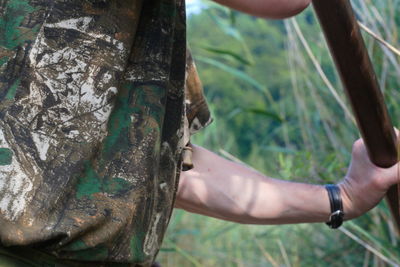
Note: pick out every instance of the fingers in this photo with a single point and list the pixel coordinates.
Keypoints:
(392, 176)
(359, 148)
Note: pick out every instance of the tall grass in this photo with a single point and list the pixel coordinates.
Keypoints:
(311, 144)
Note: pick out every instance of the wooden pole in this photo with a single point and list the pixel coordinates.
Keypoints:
(358, 77)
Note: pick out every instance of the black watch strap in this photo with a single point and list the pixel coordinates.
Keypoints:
(337, 214)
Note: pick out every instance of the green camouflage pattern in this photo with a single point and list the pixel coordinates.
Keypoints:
(92, 126)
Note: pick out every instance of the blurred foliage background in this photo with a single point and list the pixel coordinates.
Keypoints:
(278, 106)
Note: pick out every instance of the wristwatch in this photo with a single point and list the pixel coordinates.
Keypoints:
(337, 213)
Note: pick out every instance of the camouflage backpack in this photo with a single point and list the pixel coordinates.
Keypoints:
(93, 125)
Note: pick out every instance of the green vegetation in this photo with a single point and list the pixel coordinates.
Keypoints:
(274, 109)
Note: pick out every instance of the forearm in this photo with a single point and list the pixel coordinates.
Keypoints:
(222, 189)
(276, 9)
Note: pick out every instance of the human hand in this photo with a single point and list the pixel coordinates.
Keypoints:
(365, 184)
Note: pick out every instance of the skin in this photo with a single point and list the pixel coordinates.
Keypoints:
(230, 191)
(273, 9)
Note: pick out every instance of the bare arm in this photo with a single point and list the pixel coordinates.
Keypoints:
(222, 189)
(276, 9)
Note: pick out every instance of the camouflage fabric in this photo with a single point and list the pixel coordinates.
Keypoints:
(92, 127)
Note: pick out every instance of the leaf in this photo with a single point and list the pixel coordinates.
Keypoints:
(265, 113)
(183, 253)
(232, 54)
(226, 27)
(379, 245)
(278, 149)
(232, 17)
(219, 231)
(187, 232)
(167, 250)
(235, 72)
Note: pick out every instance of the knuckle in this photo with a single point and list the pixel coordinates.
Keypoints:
(358, 146)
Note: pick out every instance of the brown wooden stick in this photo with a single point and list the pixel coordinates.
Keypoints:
(358, 77)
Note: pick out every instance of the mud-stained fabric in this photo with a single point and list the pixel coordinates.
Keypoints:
(92, 110)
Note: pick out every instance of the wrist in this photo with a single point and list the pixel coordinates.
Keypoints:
(336, 206)
(348, 208)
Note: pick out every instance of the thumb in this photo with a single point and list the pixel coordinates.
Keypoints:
(390, 176)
